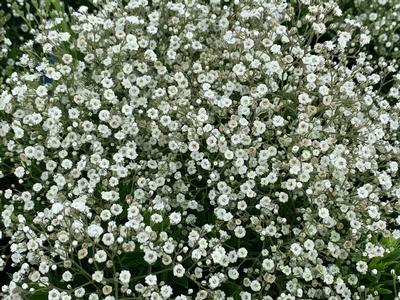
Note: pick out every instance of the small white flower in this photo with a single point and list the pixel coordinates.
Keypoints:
(239, 69)
(150, 256)
(67, 276)
(268, 264)
(98, 276)
(323, 213)
(19, 172)
(125, 277)
(108, 239)
(166, 291)
(179, 270)
(362, 267)
(304, 99)
(41, 91)
(255, 286)
(175, 218)
(296, 249)
(151, 280)
(278, 121)
(54, 295)
(100, 256)
(94, 230)
(80, 292)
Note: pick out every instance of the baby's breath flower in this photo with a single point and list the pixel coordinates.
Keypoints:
(125, 277)
(189, 149)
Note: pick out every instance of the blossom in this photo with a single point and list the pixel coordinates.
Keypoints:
(225, 143)
(125, 276)
(179, 270)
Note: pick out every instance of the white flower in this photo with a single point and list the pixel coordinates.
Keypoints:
(94, 230)
(125, 277)
(67, 276)
(233, 274)
(362, 267)
(150, 256)
(240, 232)
(67, 58)
(223, 200)
(184, 131)
(53, 295)
(344, 38)
(273, 67)
(278, 121)
(98, 276)
(307, 275)
(242, 252)
(79, 204)
(179, 270)
(19, 172)
(364, 39)
(108, 239)
(255, 286)
(245, 295)
(296, 249)
(41, 91)
(239, 69)
(340, 163)
(323, 213)
(363, 192)
(214, 281)
(100, 256)
(166, 291)
(175, 218)
(151, 279)
(373, 212)
(304, 98)
(57, 208)
(268, 264)
(80, 292)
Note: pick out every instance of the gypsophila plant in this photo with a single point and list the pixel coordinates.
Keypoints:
(19, 21)
(381, 19)
(194, 150)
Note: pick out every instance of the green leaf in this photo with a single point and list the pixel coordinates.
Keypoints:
(390, 242)
(397, 269)
(382, 263)
(392, 256)
(57, 5)
(373, 278)
(35, 4)
(383, 291)
(381, 266)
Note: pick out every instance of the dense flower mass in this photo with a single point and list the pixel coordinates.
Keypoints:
(192, 150)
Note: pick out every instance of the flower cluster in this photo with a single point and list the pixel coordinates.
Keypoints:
(196, 150)
(381, 20)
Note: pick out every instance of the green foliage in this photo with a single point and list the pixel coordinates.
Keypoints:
(387, 267)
